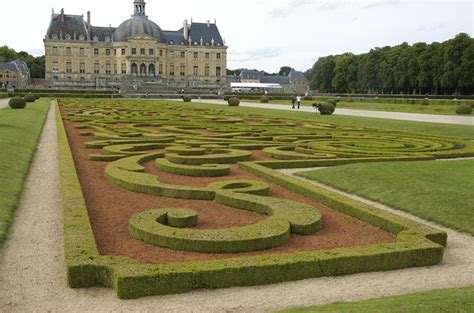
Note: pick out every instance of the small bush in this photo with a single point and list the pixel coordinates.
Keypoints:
(17, 103)
(425, 101)
(326, 108)
(187, 99)
(37, 97)
(234, 102)
(464, 109)
(264, 99)
(30, 97)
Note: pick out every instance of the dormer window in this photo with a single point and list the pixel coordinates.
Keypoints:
(95, 38)
(81, 37)
(171, 42)
(54, 36)
(219, 44)
(195, 43)
(67, 37)
(107, 39)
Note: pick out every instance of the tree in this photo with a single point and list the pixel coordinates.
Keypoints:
(285, 71)
(35, 64)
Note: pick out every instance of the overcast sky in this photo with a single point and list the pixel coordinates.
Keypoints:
(263, 34)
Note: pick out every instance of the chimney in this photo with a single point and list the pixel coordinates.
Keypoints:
(62, 15)
(185, 29)
(208, 23)
(89, 18)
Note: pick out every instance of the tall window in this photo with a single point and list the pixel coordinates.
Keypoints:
(96, 68)
(96, 51)
(218, 71)
(171, 54)
(134, 51)
(124, 68)
(182, 70)
(142, 51)
(115, 68)
(151, 52)
(218, 56)
(195, 70)
(107, 51)
(196, 55)
(183, 55)
(207, 55)
(55, 51)
(160, 69)
(81, 51)
(68, 67)
(207, 71)
(108, 68)
(55, 67)
(172, 70)
(161, 53)
(68, 50)
(82, 68)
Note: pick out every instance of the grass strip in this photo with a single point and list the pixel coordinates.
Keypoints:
(20, 131)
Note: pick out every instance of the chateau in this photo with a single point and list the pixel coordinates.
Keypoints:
(81, 55)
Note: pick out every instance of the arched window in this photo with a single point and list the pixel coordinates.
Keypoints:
(151, 70)
(81, 37)
(107, 39)
(67, 37)
(54, 36)
(134, 69)
(95, 38)
(171, 42)
(142, 69)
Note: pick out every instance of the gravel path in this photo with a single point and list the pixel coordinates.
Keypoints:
(432, 118)
(3, 103)
(32, 270)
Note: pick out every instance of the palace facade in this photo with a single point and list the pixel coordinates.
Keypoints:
(81, 55)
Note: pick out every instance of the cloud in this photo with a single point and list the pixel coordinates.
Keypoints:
(379, 4)
(254, 55)
(289, 8)
(36, 51)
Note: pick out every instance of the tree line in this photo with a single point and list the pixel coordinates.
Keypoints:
(437, 68)
(35, 64)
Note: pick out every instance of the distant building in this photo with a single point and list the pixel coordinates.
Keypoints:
(14, 74)
(295, 82)
(79, 54)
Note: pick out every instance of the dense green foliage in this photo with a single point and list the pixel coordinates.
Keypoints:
(35, 64)
(17, 103)
(437, 68)
(326, 108)
(464, 109)
(264, 99)
(30, 97)
(187, 99)
(233, 102)
(19, 134)
(432, 190)
(446, 300)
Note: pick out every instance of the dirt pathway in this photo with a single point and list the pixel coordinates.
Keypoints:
(4, 103)
(32, 270)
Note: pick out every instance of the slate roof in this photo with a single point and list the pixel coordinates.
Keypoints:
(102, 32)
(15, 66)
(295, 75)
(177, 37)
(72, 24)
(282, 80)
(250, 74)
(206, 31)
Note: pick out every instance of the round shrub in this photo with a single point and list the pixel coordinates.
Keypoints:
(234, 102)
(326, 108)
(425, 101)
(464, 109)
(37, 97)
(187, 99)
(333, 102)
(264, 99)
(30, 97)
(17, 103)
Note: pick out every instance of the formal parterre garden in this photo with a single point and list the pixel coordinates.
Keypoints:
(165, 197)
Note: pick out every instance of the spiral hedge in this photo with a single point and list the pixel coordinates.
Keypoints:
(193, 141)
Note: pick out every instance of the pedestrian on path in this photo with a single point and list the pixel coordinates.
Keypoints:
(298, 100)
(293, 102)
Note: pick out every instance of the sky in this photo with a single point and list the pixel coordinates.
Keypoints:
(263, 34)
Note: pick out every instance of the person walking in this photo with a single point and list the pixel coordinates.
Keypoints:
(298, 101)
(293, 102)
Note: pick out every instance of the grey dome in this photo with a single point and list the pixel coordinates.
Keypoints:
(137, 25)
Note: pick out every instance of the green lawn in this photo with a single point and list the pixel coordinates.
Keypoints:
(438, 301)
(391, 107)
(460, 131)
(439, 191)
(19, 134)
